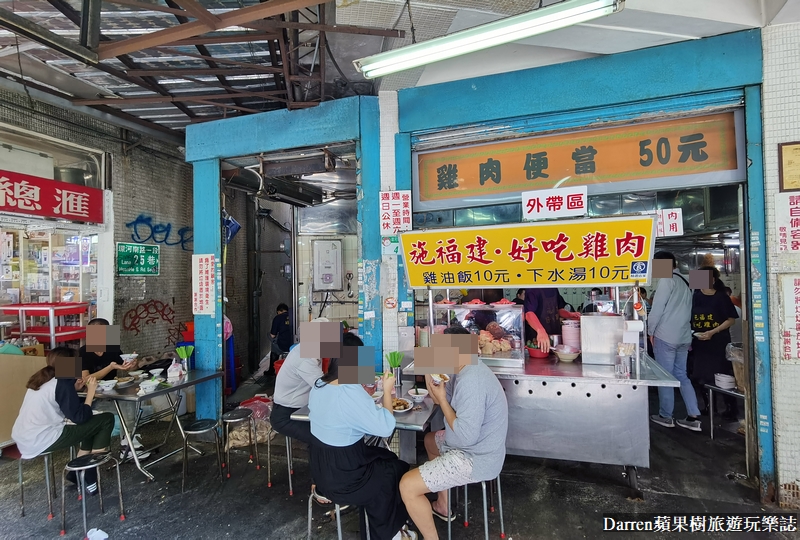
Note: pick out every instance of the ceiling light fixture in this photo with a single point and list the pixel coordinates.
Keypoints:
(485, 36)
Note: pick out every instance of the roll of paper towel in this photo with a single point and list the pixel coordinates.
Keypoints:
(634, 326)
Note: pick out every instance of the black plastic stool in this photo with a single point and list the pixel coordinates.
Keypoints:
(80, 466)
(200, 427)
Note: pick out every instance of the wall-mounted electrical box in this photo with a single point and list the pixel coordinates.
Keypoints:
(327, 265)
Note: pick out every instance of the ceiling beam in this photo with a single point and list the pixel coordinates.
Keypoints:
(221, 40)
(149, 7)
(226, 106)
(116, 102)
(90, 24)
(147, 83)
(208, 57)
(184, 31)
(272, 24)
(39, 34)
(193, 9)
(202, 72)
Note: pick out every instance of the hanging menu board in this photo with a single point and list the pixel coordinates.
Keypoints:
(138, 259)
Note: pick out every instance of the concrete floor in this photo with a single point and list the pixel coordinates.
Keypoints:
(542, 498)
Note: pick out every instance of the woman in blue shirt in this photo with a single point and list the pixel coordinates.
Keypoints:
(343, 467)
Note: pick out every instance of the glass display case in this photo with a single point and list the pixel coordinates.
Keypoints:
(38, 267)
(499, 328)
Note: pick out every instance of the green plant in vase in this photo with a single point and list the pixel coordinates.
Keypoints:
(395, 360)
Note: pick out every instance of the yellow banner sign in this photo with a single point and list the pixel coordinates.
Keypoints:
(580, 253)
(653, 150)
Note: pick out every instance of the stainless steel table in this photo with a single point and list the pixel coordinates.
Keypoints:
(166, 389)
(408, 424)
(714, 388)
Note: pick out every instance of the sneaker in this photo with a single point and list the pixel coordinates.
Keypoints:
(137, 441)
(661, 421)
(125, 454)
(90, 477)
(692, 425)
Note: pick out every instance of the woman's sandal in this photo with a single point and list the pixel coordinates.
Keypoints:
(443, 517)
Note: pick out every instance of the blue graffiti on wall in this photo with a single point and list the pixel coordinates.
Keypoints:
(144, 231)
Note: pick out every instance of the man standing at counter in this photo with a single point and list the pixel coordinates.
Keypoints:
(670, 331)
(543, 311)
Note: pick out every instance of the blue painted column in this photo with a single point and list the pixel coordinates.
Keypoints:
(402, 165)
(368, 150)
(759, 297)
(208, 241)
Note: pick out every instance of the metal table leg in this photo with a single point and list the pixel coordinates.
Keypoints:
(408, 446)
(129, 436)
(711, 411)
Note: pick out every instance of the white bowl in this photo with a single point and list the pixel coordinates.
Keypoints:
(378, 395)
(567, 357)
(148, 386)
(136, 373)
(418, 395)
(106, 385)
(439, 377)
(156, 372)
(129, 357)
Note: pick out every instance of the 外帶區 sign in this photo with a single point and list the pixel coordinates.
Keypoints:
(580, 253)
(204, 285)
(36, 196)
(555, 203)
(395, 211)
(138, 259)
(677, 147)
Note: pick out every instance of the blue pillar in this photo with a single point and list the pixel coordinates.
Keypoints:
(402, 159)
(757, 247)
(207, 241)
(368, 151)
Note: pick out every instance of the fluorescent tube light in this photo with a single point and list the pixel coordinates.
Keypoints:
(488, 35)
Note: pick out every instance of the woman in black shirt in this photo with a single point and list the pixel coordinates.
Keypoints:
(713, 314)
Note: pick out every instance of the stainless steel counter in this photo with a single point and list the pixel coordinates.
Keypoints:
(651, 374)
(579, 412)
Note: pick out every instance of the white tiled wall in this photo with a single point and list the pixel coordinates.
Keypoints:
(335, 310)
(781, 117)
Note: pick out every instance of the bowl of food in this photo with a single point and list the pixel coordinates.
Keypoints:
(377, 396)
(148, 386)
(534, 351)
(129, 357)
(564, 356)
(156, 372)
(401, 405)
(136, 373)
(122, 382)
(105, 386)
(439, 378)
(417, 395)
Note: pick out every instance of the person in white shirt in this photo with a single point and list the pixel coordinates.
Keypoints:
(41, 425)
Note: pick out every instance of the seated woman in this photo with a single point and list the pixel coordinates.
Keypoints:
(344, 468)
(49, 402)
(292, 386)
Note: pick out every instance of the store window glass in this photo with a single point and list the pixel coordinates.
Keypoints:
(37, 155)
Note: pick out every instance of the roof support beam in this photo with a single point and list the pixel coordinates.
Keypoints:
(34, 32)
(202, 72)
(221, 40)
(90, 24)
(184, 31)
(173, 99)
(272, 24)
(193, 9)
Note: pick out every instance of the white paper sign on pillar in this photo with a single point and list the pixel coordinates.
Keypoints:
(555, 203)
(670, 222)
(787, 215)
(395, 211)
(204, 293)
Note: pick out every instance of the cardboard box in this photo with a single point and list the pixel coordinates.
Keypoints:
(16, 370)
(35, 350)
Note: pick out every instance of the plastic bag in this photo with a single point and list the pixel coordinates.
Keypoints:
(261, 406)
(262, 409)
(734, 352)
